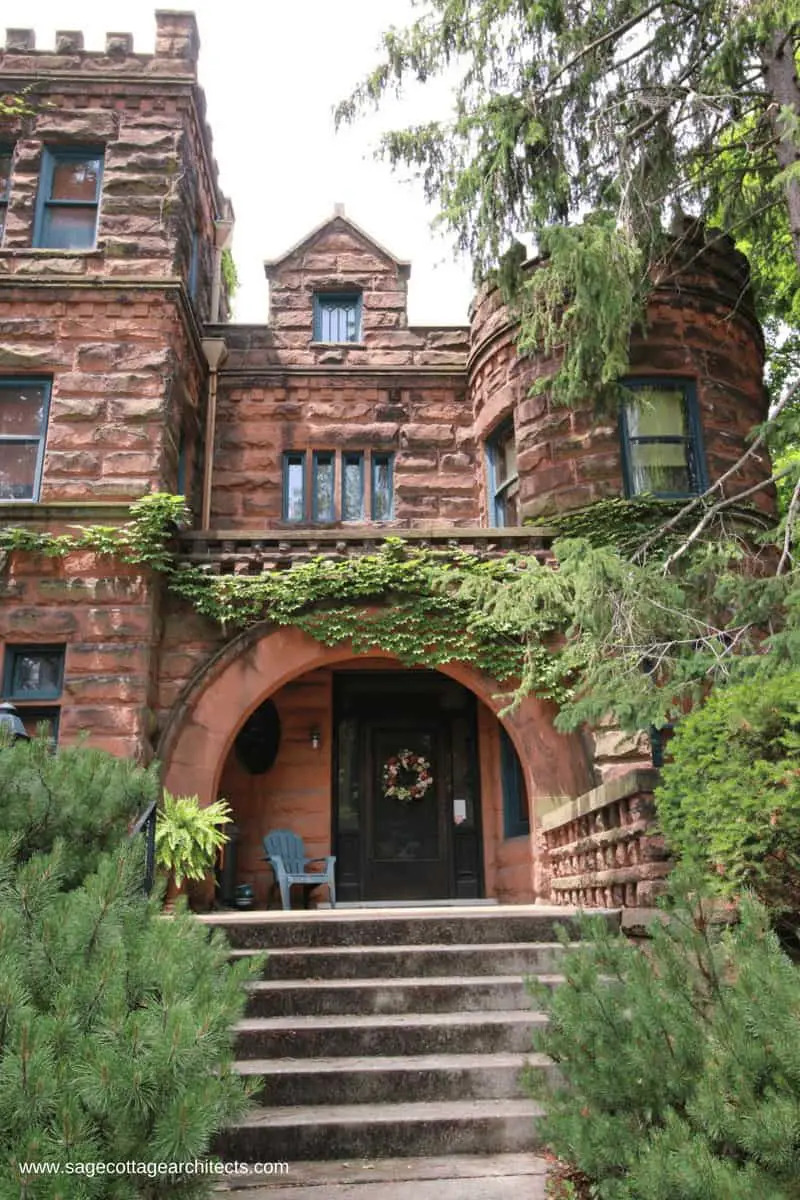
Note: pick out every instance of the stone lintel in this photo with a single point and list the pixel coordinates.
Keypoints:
(641, 779)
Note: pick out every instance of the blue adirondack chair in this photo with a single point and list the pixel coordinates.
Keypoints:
(285, 853)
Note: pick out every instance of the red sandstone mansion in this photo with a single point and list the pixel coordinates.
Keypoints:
(323, 430)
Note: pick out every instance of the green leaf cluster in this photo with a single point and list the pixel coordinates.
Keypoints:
(115, 1024)
(729, 799)
(188, 835)
(677, 1069)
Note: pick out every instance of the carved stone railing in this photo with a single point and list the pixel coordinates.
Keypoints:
(232, 552)
(603, 849)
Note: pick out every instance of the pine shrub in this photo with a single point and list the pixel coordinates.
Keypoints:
(729, 799)
(115, 1023)
(678, 1067)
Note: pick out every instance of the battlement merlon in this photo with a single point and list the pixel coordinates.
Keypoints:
(176, 52)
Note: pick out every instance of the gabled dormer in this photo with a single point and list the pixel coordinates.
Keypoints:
(337, 287)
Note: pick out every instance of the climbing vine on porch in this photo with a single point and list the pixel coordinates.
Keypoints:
(409, 603)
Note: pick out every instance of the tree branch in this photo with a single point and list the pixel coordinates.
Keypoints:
(657, 534)
(715, 508)
(791, 517)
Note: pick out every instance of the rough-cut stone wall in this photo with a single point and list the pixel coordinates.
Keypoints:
(701, 327)
(602, 849)
(422, 420)
(107, 621)
(114, 357)
(148, 116)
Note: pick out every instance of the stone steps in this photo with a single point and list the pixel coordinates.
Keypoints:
(391, 1035)
(450, 1177)
(383, 1078)
(401, 1033)
(396, 927)
(375, 1130)
(333, 997)
(403, 961)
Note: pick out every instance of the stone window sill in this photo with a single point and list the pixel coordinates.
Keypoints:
(44, 252)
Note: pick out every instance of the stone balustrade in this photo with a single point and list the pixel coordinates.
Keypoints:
(233, 552)
(603, 850)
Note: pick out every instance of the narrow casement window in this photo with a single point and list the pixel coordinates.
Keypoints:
(294, 486)
(353, 486)
(69, 198)
(5, 187)
(337, 317)
(516, 820)
(661, 439)
(501, 452)
(32, 674)
(194, 264)
(323, 498)
(382, 487)
(24, 405)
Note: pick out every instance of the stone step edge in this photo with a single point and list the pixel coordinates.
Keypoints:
(425, 1168)
(502, 1060)
(425, 1111)
(398, 984)
(516, 1016)
(402, 948)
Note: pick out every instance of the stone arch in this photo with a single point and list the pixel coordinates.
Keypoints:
(254, 666)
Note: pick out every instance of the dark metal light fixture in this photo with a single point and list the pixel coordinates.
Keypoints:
(316, 738)
(11, 720)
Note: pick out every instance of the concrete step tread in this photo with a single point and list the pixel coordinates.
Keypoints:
(385, 1170)
(466, 912)
(451, 1177)
(388, 1114)
(388, 1063)
(516, 1016)
(407, 981)
(312, 952)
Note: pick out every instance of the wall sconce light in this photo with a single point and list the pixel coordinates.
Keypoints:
(316, 738)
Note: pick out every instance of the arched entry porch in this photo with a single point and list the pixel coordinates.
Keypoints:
(196, 748)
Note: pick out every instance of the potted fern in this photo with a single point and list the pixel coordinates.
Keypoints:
(188, 836)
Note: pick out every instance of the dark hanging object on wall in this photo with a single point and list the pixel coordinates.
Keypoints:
(258, 740)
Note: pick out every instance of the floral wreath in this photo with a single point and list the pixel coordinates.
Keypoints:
(406, 776)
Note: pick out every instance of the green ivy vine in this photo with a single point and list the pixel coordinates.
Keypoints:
(409, 603)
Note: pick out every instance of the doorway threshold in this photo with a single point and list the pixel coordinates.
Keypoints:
(346, 904)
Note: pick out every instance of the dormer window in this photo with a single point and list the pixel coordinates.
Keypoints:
(337, 317)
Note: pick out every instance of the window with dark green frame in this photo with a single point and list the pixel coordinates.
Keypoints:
(503, 478)
(24, 406)
(294, 486)
(662, 445)
(337, 317)
(352, 486)
(382, 487)
(335, 488)
(323, 486)
(516, 818)
(6, 156)
(68, 201)
(33, 675)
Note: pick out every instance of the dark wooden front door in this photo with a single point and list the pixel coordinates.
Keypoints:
(389, 848)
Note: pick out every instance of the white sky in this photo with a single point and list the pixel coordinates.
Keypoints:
(272, 71)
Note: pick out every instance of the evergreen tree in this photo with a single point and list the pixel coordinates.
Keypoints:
(115, 1024)
(678, 1068)
(585, 126)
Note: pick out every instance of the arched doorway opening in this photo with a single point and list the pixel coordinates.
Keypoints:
(329, 789)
